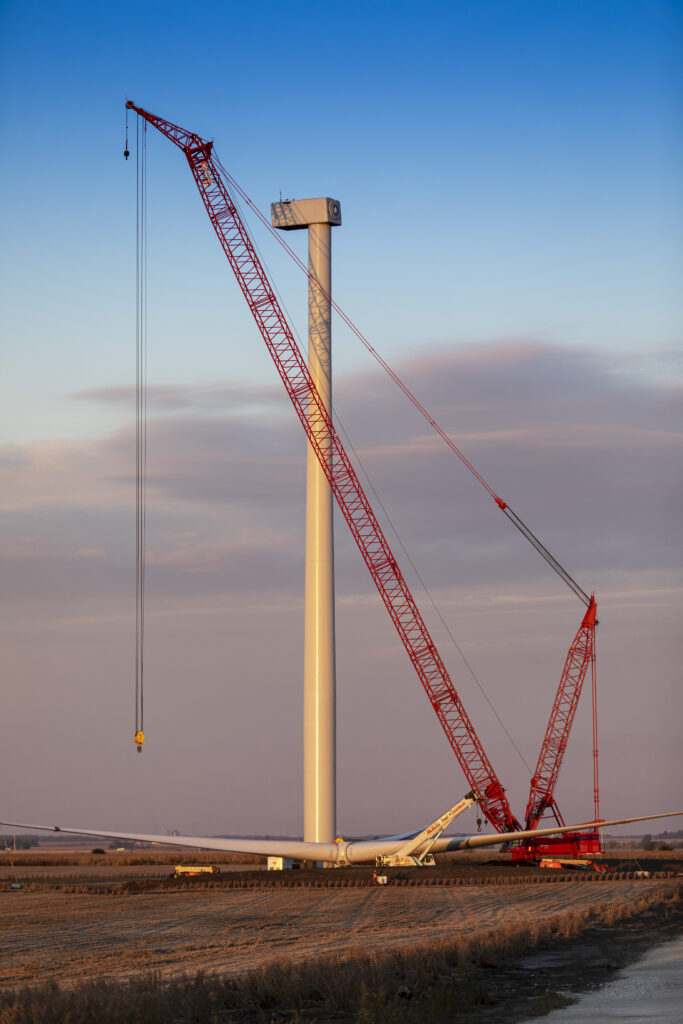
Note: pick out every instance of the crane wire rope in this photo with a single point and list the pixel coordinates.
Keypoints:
(510, 514)
(433, 603)
(140, 425)
(349, 443)
(594, 697)
(141, 440)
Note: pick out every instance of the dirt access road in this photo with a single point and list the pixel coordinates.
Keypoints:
(71, 937)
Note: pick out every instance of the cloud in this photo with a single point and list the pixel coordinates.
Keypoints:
(588, 454)
(588, 457)
(188, 398)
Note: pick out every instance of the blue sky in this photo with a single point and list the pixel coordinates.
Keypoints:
(504, 170)
(509, 175)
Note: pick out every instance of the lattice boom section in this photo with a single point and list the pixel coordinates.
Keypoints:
(342, 478)
(561, 718)
(352, 501)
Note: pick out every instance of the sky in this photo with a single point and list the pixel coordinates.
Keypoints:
(509, 177)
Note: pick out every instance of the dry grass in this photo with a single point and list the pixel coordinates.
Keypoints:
(72, 936)
(355, 987)
(635, 853)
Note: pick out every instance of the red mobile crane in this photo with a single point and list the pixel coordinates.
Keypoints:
(374, 548)
(342, 478)
(581, 654)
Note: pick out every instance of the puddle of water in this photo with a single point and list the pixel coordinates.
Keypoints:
(650, 991)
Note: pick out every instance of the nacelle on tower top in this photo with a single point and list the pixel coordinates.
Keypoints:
(292, 214)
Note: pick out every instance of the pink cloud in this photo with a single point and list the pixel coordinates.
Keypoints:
(588, 456)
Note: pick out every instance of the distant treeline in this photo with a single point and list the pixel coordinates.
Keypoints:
(17, 842)
(27, 841)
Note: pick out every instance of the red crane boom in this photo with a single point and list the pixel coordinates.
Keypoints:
(579, 657)
(580, 654)
(342, 478)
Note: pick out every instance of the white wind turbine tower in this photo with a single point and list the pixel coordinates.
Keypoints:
(320, 783)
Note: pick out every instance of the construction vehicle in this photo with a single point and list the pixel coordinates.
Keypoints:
(212, 180)
(193, 870)
(415, 853)
(557, 863)
(542, 791)
(341, 476)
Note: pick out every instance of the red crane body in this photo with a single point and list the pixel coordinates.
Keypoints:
(373, 546)
(342, 478)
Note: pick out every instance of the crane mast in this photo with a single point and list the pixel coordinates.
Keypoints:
(346, 487)
(580, 655)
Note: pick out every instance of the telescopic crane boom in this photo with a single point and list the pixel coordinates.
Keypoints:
(342, 478)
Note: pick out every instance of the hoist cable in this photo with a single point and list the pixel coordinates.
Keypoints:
(433, 603)
(512, 516)
(378, 502)
(140, 425)
(545, 554)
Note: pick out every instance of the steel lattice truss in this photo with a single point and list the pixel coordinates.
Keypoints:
(554, 744)
(342, 478)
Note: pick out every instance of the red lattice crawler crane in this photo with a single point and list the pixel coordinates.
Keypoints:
(211, 180)
(575, 845)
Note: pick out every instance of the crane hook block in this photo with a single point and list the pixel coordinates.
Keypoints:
(139, 739)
